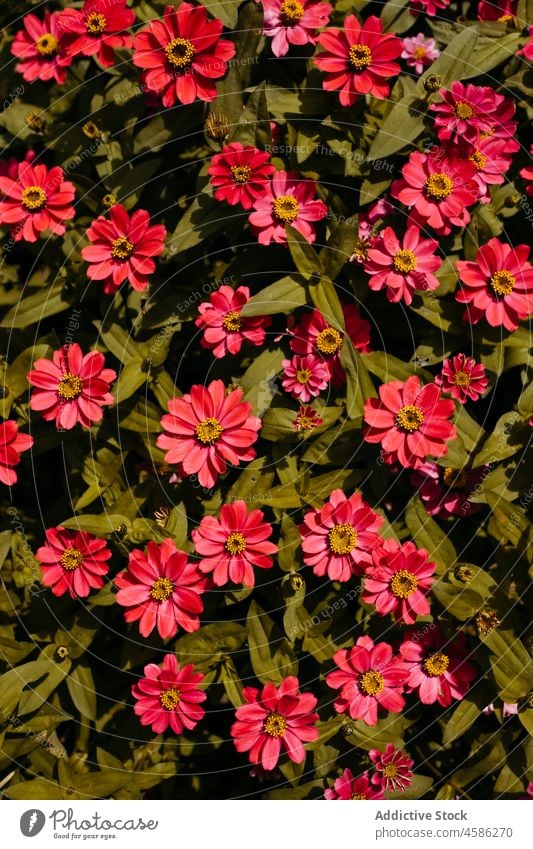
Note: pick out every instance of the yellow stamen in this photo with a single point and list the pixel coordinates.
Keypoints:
(390, 771)
(342, 539)
(232, 321)
(404, 261)
(290, 13)
(33, 199)
(208, 430)
(71, 559)
(436, 664)
(479, 159)
(70, 386)
(464, 110)
(235, 543)
(502, 283)
(461, 378)
(180, 52)
(47, 44)
(403, 584)
(439, 186)
(358, 796)
(95, 23)
(161, 589)
(170, 698)
(419, 52)
(454, 478)
(275, 725)
(409, 418)
(122, 249)
(303, 376)
(360, 57)
(241, 173)
(329, 341)
(371, 683)
(285, 209)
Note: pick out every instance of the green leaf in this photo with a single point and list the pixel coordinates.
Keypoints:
(81, 687)
(511, 664)
(507, 438)
(34, 308)
(359, 386)
(99, 524)
(272, 659)
(456, 62)
(401, 127)
(428, 535)
(284, 295)
(386, 368)
(304, 255)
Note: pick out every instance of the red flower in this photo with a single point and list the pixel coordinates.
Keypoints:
(338, 539)
(527, 174)
(402, 267)
(289, 199)
(463, 378)
(496, 10)
(207, 429)
(240, 174)
(307, 419)
(72, 387)
(313, 335)
(183, 53)
(446, 491)
(350, 787)
(73, 562)
(225, 329)
(9, 167)
(437, 667)
(498, 285)
(429, 7)
(305, 377)
(468, 110)
(491, 159)
(97, 29)
(399, 580)
(169, 696)
(232, 545)
(161, 589)
(527, 49)
(410, 421)
(12, 444)
(37, 200)
(39, 48)
(393, 769)
(122, 249)
(368, 678)
(358, 59)
(275, 719)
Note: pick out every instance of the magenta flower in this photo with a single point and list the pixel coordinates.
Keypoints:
(240, 174)
(437, 667)
(73, 562)
(289, 199)
(305, 377)
(314, 335)
(97, 29)
(393, 769)
(468, 110)
(463, 378)
(445, 491)
(419, 52)
(349, 786)
(307, 419)
(402, 268)
(428, 7)
(289, 22)
(39, 49)
(399, 580)
(38, 199)
(12, 445)
(225, 329)
(169, 696)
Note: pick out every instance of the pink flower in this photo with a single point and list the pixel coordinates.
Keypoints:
(289, 22)
(207, 429)
(368, 677)
(496, 10)
(232, 545)
(37, 199)
(307, 419)
(9, 167)
(224, 328)
(314, 335)
(498, 286)
(428, 7)
(437, 188)
(273, 720)
(437, 667)
(73, 562)
(97, 29)
(445, 491)
(39, 49)
(338, 539)
(463, 378)
(402, 267)
(419, 52)
(12, 445)
(72, 387)
(350, 787)
(491, 159)
(161, 589)
(468, 110)
(358, 59)
(169, 696)
(507, 710)
(527, 174)
(410, 421)
(399, 580)
(393, 769)
(183, 54)
(527, 49)
(289, 199)
(122, 249)
(305, 377)
(240, 174)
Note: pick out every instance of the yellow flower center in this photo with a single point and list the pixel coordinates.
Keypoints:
(502, 283)
(290, 13)
(275, 725)
(161, 589)
(464, 110)
(232, 321)
(479, 159)
(303, 376)
(439, 186)
(461, 378)
(404, 261)
(361, 247)
(208, 431)
(70, 386)
(360, 57)
(241, 173)
(285, 208)
(179, 52)
(33, 199)
(504, 18)
(436, 664)
(403, 584)
(371, 683)
(342, 539)
(47, 44)
(306, 423)
(329, 341)
(71, 559)
(358, 796)
(235, 543)
(95, 23)
(409, 418)
(91, 131)
(390, 771)
(170, 698)
(122, 249)
(454, 478)
(419, 52)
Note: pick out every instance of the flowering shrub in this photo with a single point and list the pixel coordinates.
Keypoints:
(266, 288)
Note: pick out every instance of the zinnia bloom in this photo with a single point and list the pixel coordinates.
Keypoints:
(72, 387)
(37, 199)
(314, 335)
(12, 444)
(492, 161)
(463, 378)
(419, 52)
(468, 110)
(207, 429)
(97, 29)
(393, 768)
(240, 174)
(368, 677)
(527, 174)
(289, 199)
(437, 667)
(445, 491)
(358, 59)
(289, 22)
(399, 580)
(39, 49)
(225, 329)
(498, 285)
(338, 538)
(161, 589)
(428, 7)
(122, 249)
(73, 562)
(307, 419)
(183, 54)
(169, 695)
(9, 167)
(275, 720)
(496, 10)
(232, 545)
(351, 787)
(410, 421)
(402, 267)
(305, 377)
(527, 49)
